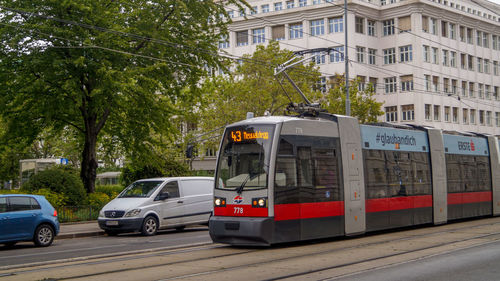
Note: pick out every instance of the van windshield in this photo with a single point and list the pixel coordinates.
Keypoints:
(140, 189)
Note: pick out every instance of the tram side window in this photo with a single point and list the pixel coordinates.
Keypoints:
(483, 172)
(286, 169)
(454, 174)
(469, 171)
(305, 174)
(396, 173)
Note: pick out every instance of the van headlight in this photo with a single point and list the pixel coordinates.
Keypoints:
(133, 213)
(101, 213)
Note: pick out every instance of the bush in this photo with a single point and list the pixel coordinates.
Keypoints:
(168, 168)
(111, 190)
(10, 191)
(60, 180)
(57, 200)
(97, 200)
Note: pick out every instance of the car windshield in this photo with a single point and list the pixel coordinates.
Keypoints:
(140, 189)
(244, 157)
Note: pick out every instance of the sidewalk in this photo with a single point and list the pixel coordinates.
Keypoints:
(80, 229)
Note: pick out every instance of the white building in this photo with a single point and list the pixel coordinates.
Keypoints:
(434, 63)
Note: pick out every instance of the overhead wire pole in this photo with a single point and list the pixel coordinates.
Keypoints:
(346, 60)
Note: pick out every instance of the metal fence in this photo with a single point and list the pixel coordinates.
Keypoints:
(77, 213)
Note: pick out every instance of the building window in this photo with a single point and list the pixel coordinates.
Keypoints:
(258, 36)
(408, 112)
(428, 112)
(317, 27)
(486, 66)
(426, 53)
(427, 83)
(464, 88)
(495, 42)
(390, 85)
(289, 4)
(278, 6)
(337, 54)
(462, 34)
(242, 38)
(446, 114)
(465, 116)
(296, 31)
(223, 42)
(486, 41)
(454, 86)
(318, 57)
(253, 10)
(371, 28)
(434, 26)
(435, 83)
(469, 35)
(360, 54)
(497, 119)
(425, 24)
(265, 8)
(278, 32)
(359, 25)
(336, 25)
(372, 54)
(406, 83)
(470, 62)
(316, 2)
(487, 89)
(453, 59)
(488, 118)
(471, 89)
(302, 3)
(472, 118)
(480, 90)
(391, 113)
(389, 56)
(445, 57)
(404, 24)
(480, 65)
(452, 31)
(405, 53)
(435, 55)
(479, 38)
(444, 28)
(481, 117)
(437, 111)
(495, 68)
(496, 93)
(230, 14)
(388, 27)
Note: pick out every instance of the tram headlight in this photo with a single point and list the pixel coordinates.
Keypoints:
(219, 202)
(259, 202)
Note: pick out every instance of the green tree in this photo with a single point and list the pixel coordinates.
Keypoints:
(363, 104)
(254, 88)
(103, 67)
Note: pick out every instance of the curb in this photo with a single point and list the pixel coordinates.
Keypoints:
(79, 235)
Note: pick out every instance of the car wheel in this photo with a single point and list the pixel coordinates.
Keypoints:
(149, 226)
(10, 244)
(111, 232)
(44, 235)
(180, 228)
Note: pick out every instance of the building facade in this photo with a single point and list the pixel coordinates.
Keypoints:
(432, 62)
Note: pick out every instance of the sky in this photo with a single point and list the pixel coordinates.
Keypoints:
(495, 1)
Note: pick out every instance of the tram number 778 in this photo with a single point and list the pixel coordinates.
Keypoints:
(238, 210)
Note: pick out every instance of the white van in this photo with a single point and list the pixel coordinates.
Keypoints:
(151, 204)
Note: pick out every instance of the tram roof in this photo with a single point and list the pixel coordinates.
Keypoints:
(266, 120)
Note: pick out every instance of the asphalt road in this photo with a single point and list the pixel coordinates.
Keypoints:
(78, 248)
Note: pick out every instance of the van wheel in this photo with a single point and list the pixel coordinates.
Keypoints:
(180, 228)
(44, 235)
(149, 226)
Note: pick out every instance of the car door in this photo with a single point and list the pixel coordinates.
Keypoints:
(22, 218)
(172, 208)
(5, 230)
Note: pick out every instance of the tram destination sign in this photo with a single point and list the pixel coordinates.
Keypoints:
(242, 135)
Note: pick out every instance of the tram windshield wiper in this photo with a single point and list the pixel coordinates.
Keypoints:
(239, 190)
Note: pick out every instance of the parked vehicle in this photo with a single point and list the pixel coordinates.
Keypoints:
(27, 218)
(152, 204)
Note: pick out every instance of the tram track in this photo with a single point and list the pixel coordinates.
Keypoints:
(241, 253)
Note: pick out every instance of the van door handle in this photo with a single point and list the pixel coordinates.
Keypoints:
(180, 201)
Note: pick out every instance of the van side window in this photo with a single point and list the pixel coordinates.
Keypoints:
(3, 205)
(172, 188)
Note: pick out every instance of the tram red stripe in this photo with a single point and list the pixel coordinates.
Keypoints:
(469, 197)
(398, 203)
(308, 210)
(240, 211)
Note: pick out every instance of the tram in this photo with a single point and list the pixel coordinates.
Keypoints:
(290, 178)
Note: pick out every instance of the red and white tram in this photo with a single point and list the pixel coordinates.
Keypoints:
(282, 179)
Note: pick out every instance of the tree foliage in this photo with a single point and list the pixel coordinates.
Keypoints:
(103, 68)
(363, 104)
(252, 87)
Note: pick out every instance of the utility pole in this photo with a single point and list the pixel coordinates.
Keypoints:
(346, 60)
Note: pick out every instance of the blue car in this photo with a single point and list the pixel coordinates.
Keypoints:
(27, 218)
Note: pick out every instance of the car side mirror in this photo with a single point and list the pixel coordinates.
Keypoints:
(163, 196)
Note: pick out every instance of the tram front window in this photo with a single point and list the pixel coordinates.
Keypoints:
(244, 157)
